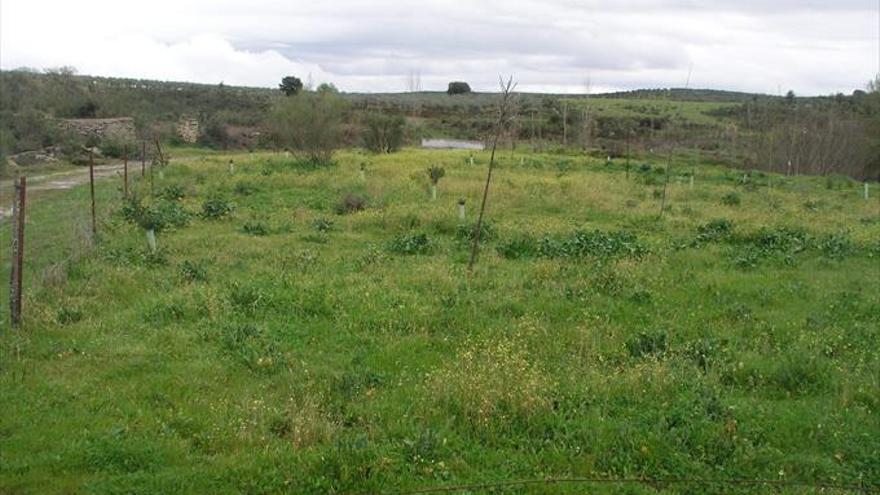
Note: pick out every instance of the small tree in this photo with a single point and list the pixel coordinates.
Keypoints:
(310, 124)
(290, 85)
(458, 88)
(435, 173)
(384, 133)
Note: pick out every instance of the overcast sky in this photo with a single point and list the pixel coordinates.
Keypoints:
(770, 46)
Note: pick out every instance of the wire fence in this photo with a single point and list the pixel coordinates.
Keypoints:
(60, 225)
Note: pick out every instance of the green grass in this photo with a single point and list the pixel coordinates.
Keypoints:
(288, 348)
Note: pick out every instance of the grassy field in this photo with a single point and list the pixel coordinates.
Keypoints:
(291, 346)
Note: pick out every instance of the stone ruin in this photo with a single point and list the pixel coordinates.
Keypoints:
(188, 129)
(121, 128)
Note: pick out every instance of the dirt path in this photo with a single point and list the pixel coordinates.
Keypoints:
(59, 181)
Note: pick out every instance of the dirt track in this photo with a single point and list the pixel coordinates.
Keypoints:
(58, 181)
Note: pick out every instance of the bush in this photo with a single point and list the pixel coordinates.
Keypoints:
(410, 243)
(215, 208)
(159, 216)
(714, 231)
(214, 133)
(173, 192)
(351, 203)
(117, 148)
(384, 133)
(310, 123)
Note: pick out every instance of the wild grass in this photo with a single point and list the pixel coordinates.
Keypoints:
(273, 345)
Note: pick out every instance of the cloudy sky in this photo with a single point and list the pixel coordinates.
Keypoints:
(810, 46)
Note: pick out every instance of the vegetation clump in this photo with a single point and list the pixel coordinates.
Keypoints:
(216, 208)
(383, 133)
(410, 243)
(158, 216)
(351, 203)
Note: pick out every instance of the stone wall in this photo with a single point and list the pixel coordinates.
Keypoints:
(188, 129)
(121, 128)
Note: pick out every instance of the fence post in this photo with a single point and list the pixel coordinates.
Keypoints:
(15, 276)
(125, 171)
(92, 192)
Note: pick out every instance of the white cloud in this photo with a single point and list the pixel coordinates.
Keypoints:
(810, 46)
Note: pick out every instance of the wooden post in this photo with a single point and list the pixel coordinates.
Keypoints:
(565, 124)
(125, 171)
(92, 192)
(15, 276)
(161, 161)
(144, 159)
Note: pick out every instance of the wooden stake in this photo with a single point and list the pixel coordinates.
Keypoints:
(125, 172)
(92, 192)
(15, 276)
(503, 114)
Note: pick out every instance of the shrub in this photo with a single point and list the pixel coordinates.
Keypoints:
(384, 133)
(173, 192)
(117, 148)
(435, 173)
(410, 243)
(835, 246)
(714, 231)
(216, 207)
(731, 199)
(214, 133)
(351, 203)
(310, 123)
(159, 216)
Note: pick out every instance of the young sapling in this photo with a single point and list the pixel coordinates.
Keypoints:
(435, 173)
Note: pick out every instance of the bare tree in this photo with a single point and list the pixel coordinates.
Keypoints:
(502, 120)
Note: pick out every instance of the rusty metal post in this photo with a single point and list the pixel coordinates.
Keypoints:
(15, 277)
(92, 191)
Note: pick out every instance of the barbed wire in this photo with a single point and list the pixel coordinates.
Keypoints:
(819, 485)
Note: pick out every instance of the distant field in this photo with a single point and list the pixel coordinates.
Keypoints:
(291, 346)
